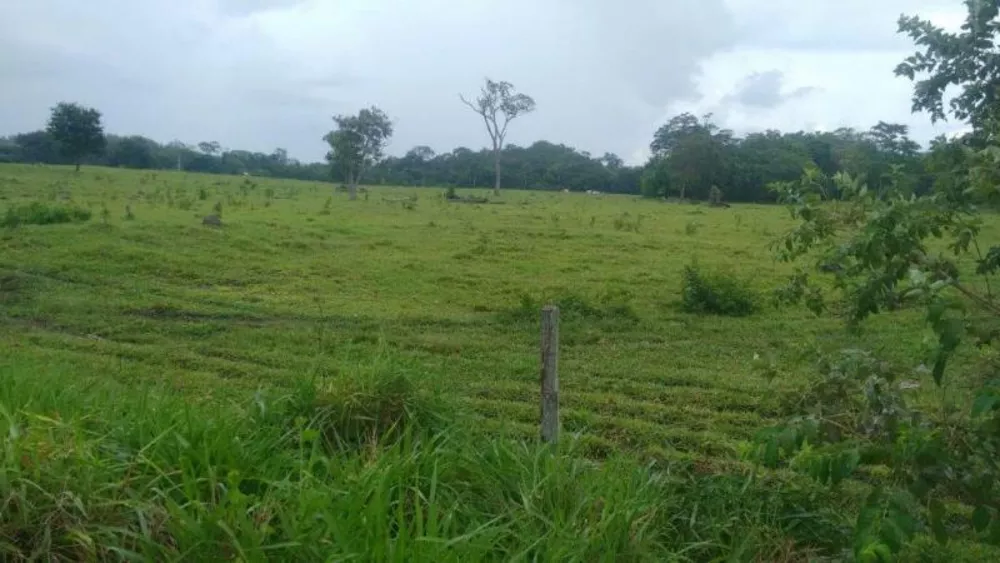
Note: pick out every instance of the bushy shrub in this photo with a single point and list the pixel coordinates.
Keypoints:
(370, 407)
(38, 213)
(716, 294)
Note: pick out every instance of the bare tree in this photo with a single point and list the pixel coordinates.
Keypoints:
(498, 104)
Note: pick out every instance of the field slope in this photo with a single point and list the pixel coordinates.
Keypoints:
(300, 285)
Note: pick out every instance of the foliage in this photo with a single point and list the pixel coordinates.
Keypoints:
(889, 250)
(132, 152)
(39, 213)
(716, 293)
(77, 130)
(966, 59)
(499, 104)
(151, 476)
(358, 143)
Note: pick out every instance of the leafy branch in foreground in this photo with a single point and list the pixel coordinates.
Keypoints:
(884, 252)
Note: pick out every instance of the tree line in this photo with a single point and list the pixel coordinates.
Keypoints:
(691, 157)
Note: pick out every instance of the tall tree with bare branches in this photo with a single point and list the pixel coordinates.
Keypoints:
(499, 104)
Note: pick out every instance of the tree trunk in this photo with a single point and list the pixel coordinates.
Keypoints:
(352, 186)
(496, 171)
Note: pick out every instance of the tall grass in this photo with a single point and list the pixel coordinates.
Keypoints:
(38, 213)
(91, 470)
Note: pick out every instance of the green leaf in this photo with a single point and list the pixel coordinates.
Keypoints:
(939, 364)
(981, 518)
(937, 522)
(771, 453)
(984, 403)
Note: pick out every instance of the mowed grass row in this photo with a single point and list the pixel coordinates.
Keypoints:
(300, 283)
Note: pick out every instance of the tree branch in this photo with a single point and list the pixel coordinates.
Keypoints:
(978, 299)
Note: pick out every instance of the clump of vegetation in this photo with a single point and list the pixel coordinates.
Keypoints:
(691, 228)
(368, 408)
(626, 222)
(450, 193)
(129, 216)
(327, 206)
(202, 194)
(217, 208)
(38, 213)
(716, 293)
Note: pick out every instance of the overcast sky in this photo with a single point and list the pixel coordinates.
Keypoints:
(261, 74)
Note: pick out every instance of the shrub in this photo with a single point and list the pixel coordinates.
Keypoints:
(38, 213)
(716, 294)
(369, 407)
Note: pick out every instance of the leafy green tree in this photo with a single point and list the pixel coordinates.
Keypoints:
(892, 249)
(358, 144)
(499, 104)
(967, 60)
(210, 147)
(695, 153)
(78, 131)
(133, 152)
(37, 147)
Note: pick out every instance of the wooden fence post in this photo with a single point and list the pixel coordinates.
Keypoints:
(550, 374)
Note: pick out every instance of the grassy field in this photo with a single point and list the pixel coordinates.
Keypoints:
(303, 294)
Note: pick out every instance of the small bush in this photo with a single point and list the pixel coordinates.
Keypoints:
(716, 294)
(450, 193)
(38, 213)
(371, 407)
(691, 228)
(202, 194)
(327, 207)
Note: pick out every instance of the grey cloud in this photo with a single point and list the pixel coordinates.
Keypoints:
(843, 26)
(764, 90)
(258, 74)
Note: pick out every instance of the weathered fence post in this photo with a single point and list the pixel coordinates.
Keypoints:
(550, 374)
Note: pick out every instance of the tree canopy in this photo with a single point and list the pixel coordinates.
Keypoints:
(358, 143)
(499, 104)
(77, 130)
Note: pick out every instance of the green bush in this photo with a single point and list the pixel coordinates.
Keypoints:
(38, 213)
(716, 294)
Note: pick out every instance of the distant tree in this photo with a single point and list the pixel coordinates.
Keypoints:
(37, 146)
(966, 60)
(358, 144)
(133, 152)
(209, 147)
(420, 153)
(498, 104)
(8, 150)
(612, 161)
(78, 131)
(694, 153)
